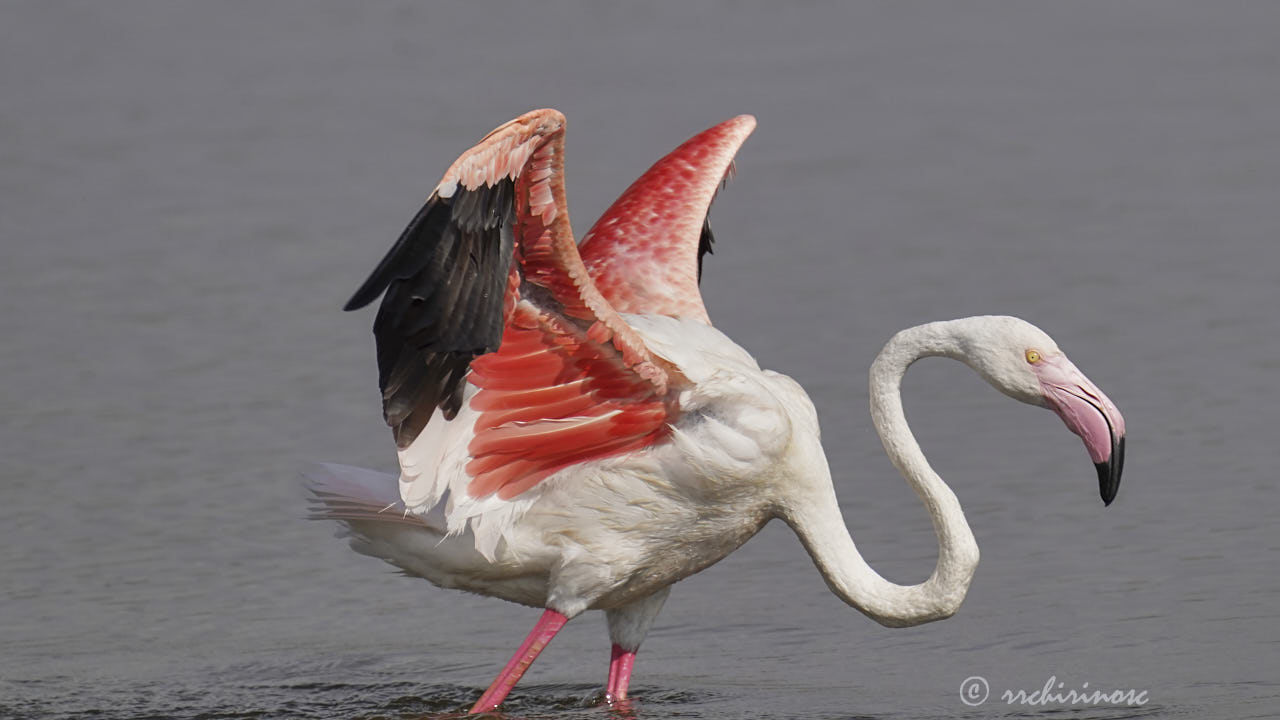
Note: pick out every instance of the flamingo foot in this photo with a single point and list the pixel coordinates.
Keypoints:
(546, 628)
(620, 664)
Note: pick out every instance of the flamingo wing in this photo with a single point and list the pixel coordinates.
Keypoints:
(488, 300)
(645, 252)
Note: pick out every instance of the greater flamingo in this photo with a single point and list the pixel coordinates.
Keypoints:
(573, 434)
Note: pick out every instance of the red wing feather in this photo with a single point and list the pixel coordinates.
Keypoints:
(645, 252)
(578, 400)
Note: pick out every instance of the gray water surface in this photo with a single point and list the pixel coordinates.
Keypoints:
(188, 193)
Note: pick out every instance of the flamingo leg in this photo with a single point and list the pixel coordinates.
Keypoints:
(620, 664)
(546, 628)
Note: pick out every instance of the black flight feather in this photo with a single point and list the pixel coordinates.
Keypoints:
(444, 281)
(704, 244)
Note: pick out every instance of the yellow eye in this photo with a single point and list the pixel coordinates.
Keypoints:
(1033, 357)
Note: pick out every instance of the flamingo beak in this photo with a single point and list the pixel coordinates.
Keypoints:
(1089, 413)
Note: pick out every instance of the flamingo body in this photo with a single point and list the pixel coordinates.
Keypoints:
(604, 533)
(572, 432)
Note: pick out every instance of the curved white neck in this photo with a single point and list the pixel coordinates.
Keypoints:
(816, 515)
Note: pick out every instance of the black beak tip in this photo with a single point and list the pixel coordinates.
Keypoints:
(1106, 486)
(1109, 473)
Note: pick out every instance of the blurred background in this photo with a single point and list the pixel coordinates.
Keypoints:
(190, 191)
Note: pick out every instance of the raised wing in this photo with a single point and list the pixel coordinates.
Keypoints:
(645, 252)
(486, 287)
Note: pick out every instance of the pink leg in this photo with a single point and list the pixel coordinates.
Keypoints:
(620, 665)
(548, 625)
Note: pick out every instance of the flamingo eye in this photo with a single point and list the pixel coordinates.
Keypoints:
(1033, 356)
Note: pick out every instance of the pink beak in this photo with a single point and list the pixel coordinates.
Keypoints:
(1088, 413)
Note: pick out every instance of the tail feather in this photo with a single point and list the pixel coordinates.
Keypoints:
(350, 494)
(376, 522)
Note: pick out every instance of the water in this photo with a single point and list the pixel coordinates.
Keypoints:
(190, 191)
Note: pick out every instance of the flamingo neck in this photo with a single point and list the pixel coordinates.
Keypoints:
(818, 522)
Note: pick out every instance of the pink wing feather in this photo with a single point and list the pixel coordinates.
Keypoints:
(644, 253)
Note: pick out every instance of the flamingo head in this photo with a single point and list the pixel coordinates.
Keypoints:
(1022, 361)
